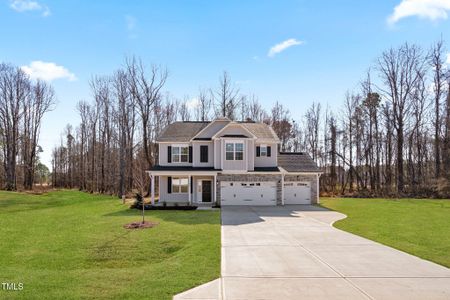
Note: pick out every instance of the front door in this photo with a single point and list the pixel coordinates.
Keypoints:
(206, 190)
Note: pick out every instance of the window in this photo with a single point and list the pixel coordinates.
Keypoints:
(179, 185)
(180, 154)
(238, 151)
(234, 151)
(204, 153)
(263, 150)
(229, 149)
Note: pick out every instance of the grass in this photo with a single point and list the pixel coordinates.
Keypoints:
(419, 227)
(71, 245)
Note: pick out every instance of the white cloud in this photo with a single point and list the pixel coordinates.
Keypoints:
(131, 23)
(283, 46)
(193, 103)
(29, 5)
(47, 71)
(424, 9)
(46, 12)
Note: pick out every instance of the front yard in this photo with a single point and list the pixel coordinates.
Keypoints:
(71, 245)
(419, 227)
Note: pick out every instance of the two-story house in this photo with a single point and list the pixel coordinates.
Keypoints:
(230, 163)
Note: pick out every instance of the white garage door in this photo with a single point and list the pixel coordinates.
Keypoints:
(297, 192)
(248, 193)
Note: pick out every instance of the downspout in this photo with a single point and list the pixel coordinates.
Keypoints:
(318, 188)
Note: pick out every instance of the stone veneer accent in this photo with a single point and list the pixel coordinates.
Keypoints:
(249, 178)
(312, 178)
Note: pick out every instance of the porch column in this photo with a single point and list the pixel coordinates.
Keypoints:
(152, 188)
(189, 189)
(282, 189)
(215, 189)
(159, 189)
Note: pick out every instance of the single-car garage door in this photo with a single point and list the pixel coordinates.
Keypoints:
(248, 193)
(297, 192)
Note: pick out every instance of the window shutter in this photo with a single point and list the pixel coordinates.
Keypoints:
(258, 151)
(169, 154)
(190, 154)
(169, 185)
(269, 151)
(204, 153)
(192, 185)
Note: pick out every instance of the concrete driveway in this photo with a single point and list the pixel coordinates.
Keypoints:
(293, 252)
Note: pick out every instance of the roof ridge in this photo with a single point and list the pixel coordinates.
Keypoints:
(191, 122)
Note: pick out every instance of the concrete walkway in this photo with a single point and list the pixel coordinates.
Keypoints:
(293, 252)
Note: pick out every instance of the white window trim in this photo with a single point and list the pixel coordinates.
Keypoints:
(179, 155)
(179, 186)
(261, 152)
(234, 150)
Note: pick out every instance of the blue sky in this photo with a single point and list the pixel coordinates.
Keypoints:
(328, 45)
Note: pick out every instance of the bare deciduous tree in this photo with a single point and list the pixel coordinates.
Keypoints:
(400, 69)
(226, 98)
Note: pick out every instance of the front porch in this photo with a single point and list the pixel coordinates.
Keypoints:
(183, 188)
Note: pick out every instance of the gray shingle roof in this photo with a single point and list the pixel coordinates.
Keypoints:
(297, 162)
(181, 131)
(185, 131)
(260, 130)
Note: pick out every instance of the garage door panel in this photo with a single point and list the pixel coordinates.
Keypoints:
(297, 192)
(248, 193)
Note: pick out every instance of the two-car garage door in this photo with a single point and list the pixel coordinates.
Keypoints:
(248, 193)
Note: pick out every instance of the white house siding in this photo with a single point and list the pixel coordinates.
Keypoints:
(234, 165)
(172, 197)
(196, 154)
(197, 192)
(250, 155)
(184, 198)
(212, 129)
(217, 156)
(264, 161)
(163, 155)
(234, 129)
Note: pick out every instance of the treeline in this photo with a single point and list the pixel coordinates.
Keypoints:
(391, 137)
(23, 103)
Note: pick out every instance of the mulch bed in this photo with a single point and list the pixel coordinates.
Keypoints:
(140, 225)
(160, 207)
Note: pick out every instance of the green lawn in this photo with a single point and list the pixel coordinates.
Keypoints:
(419, 227)
(71, 245)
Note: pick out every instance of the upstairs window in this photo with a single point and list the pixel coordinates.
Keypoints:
(204, 153)
(234, 151)
(180, 154)
(263, 150)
